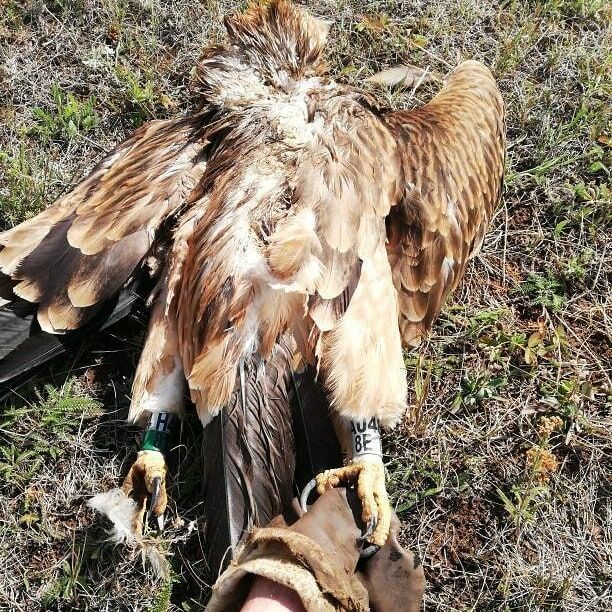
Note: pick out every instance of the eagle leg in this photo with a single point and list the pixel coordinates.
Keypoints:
(158, 394)
(360, 440)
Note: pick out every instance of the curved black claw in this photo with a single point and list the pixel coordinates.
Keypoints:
(156, 485)
(155, 490)
(370, 527)
(306, 493)
(368, 551)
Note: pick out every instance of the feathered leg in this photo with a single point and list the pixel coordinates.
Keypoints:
(158, 393)
(364, 370)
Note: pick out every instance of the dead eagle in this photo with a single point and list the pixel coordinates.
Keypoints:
(291, 216)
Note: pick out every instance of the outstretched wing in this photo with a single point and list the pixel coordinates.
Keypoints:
(80, 251)
(453, 161)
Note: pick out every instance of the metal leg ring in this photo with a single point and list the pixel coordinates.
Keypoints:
(306, 493)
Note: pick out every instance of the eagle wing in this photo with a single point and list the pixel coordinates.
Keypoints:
(453, 151)
(79, 252)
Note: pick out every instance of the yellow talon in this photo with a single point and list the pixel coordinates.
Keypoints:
(146, 480)
(369, 480)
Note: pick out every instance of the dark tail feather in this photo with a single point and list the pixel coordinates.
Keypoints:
(259, 452)
(24, 347)
(317, 447)
(6, 287)
(249, 456)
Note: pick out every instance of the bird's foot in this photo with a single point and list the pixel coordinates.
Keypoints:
(368, 477)
(146, 481)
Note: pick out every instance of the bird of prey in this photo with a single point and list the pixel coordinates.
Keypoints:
(291, 219)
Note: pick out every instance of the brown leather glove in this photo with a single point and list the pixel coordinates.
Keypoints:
(317, 556)
(393, 577)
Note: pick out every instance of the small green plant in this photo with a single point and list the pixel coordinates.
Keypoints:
(59, 411)
(70, 582)
(73, 7)
(409, 484)
(590, 208)
(567, 397)
(495, 333)
(576, 267)
(68, 119)
(485, 319)
(599, 160)
(573, 9)
(542, 345)
(478, 389)
(11, 14)
(584, 192)
(376, 23)
(140, 96)
(544, 290)
(501, 345)
(514, 47)
(23, 194)
(162, 601)
(523, 502)
(527, 496)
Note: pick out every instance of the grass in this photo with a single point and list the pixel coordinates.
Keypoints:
(67, 119)
(507, 513)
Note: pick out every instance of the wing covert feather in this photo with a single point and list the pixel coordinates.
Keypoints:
(80, 251)
(453, 151)
(349, 177)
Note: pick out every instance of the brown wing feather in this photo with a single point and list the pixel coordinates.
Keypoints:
(453, 160)
(81, 250)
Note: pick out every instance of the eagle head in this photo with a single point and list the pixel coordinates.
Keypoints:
(279, 39)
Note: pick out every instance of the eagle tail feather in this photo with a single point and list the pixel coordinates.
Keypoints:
(249, 456)
(272, 437)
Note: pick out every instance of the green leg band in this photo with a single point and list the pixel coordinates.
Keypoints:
(156, 436)
(155, 440)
